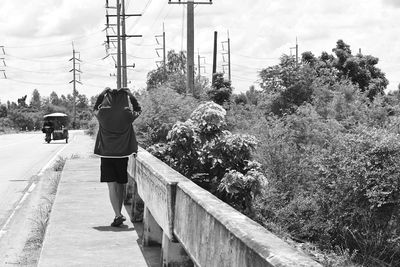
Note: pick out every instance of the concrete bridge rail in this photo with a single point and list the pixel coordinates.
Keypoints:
(196, 228)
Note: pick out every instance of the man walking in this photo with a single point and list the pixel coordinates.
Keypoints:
(115, 142)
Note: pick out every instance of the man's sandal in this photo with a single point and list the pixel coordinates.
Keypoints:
(118, 221)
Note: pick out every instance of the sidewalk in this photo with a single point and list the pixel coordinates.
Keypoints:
(79, 231)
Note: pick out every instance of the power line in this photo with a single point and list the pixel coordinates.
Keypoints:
(34, 59)
(35, 83)
(34, 71)
(67, 42)
(257, 58)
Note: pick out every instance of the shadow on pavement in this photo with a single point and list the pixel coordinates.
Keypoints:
(122, 228)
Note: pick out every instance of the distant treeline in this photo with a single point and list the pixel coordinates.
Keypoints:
(23, 116)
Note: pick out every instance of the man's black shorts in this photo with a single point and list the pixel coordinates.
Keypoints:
(114, 170)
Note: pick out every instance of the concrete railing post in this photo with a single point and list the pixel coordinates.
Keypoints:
(173, 254)
(152, 232)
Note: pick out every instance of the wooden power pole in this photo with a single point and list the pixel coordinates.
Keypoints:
(214, 69)
(190, 42)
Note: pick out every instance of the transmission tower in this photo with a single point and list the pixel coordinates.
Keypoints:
(76, 70)
(3, 59)
(164, 64)
(119, 37)
(190, 40)
(227, 63)
(200, 65)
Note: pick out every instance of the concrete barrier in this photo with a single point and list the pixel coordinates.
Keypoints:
(195, 227)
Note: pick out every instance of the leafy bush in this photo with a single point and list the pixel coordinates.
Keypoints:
(161, 108)
(214, 158)
(93, 127)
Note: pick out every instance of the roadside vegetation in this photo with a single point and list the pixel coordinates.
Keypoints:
(22, 116)
(313, 156)
(47, 189)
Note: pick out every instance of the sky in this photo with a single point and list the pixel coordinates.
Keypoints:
(38, 39)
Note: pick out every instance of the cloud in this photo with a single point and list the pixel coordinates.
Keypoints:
(71, 18)
(393, 3)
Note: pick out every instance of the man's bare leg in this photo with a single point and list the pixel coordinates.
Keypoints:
(113, 189)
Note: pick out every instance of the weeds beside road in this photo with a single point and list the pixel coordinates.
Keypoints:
(43, 202)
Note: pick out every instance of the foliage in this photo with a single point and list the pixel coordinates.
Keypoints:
(3, 111)
(93, 127)
(327, 142)
(173, 75)
(221, 89)
(161, 108)
(332, 172)
(30, 117)
(214, 158)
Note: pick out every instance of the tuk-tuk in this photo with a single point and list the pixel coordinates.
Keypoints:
(55, 125)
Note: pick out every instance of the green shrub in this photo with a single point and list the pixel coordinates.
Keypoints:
(161, 108)
(93, 127)
(214, 158)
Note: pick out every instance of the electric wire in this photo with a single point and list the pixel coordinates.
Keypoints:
(34, 71)
(67, 42)
(35, 83)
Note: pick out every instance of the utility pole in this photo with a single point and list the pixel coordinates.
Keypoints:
(2, 58)
(190, 41)
(120, 38)
(74, 70)
(124, 68)
(227, 52)
(297, 52)
(214, 69)
(164, 61)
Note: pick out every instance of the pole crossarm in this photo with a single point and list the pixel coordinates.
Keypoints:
(120, 37)
(126, 15)
(186, 2)
(129, 66)
(76, 81)
(75, 70)
(125, 35)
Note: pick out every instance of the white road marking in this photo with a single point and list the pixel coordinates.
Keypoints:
(26, 194)
(3, 229)
(51, 161)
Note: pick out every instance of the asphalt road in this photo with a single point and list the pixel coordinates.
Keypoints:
(22, 157)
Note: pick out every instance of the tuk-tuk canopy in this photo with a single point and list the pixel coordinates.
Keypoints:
(57, 114)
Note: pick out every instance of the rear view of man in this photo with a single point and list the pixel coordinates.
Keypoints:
(115, 142)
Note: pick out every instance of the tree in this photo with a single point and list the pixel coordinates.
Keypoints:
(174, 75)
(54, 100)
(277, 78)
(3, 111)
(287, 85)
(221, 89)
(175, 66)
(35, 101)
(22, 101)
(360, 69)
(252, 95)
(82, 102)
